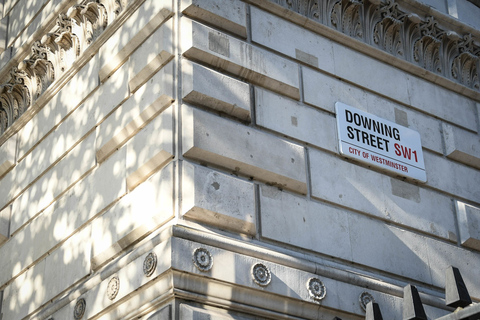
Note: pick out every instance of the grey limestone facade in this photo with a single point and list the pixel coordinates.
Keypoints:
(181, 159)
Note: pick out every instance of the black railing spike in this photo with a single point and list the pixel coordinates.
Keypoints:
(456, 293)
(373, 311)
(412, 305)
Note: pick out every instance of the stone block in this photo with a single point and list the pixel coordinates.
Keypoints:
(295, 120)
(135, 112)
(468, 13)
(389, 248)
(78, 206)
(151, 149)
(137, 214)
(55, 181)
(7, 155)
(217, 199)
(228, 15)
(5, 224)
(354, 67)
(349, 185)
(134, 126)
(323, 91)
(435, 100)
(468, 224)
(452, 177)
(243, 150)
(128, 38)
(303, 223)
(48, 278)
(208, 88)
(20, 17)
(292, 40)
(461, 145)
(3, 33)
(55, 111)
(258, 66)
(427, 126)
(151, 56)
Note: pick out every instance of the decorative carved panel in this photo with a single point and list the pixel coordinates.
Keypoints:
(406, 35)
(55, 53)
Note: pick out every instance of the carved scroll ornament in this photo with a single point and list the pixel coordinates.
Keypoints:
(406, 35)
(55, 53)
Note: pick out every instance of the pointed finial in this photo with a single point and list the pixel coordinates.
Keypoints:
(456, 293)
(412, 305)
(373, 311)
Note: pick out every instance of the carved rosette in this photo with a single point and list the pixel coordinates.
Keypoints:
(364, 299)
(113, 287)
(150, 264)
(261, 274)
(52, 55)
(202, 259)
(316, 289)
(79, 309)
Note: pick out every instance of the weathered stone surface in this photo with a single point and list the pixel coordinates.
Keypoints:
(292, 40)
(362, 189)
(68, 98)
(50, 277)
(151, 56)
(292, 119)
(246, 151)
(72, 167)
(136, 215)
(7, 155)
(461, 145)
(452, 177)
(131, 35)
(148, 114)
(214, 90)
(305, 224)
(4, 224)
(136, 112)
(151, 149)
(21, 16)
(228, 15)
(253, 64)
(437, 101)
(217, 199)
(65, 217)
(469, 225)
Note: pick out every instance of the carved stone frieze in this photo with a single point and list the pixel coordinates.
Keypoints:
(407, 35)
(55, 53)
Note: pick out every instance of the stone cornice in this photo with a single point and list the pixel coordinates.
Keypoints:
(404, 33)
(52, 57)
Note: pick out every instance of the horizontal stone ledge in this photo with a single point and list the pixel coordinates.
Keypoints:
(147, 115)
(205, 87)
(228, 15)
(258, 66)
(243, 150)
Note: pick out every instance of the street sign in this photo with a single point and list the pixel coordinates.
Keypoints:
(380, 143)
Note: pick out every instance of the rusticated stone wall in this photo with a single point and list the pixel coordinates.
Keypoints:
(179, 159)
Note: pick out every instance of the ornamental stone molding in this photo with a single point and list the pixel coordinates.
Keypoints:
(316, 289)
(261, 274)
(53, 54)
(113, 287)
(420, 40)
(150, 264)
(79, 309)
(202, 259)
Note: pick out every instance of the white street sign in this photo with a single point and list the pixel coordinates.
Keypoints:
(379, 142)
